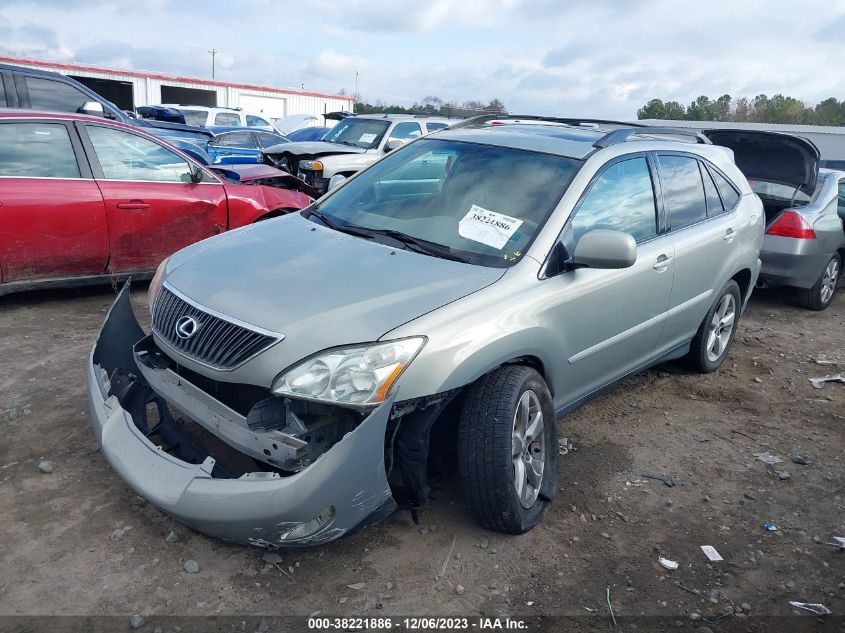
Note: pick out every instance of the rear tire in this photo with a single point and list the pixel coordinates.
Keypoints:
(507, 465)
(821, 294)
(715, 335)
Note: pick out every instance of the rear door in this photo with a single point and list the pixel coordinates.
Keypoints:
(703, 232)
(153, 207)
(52, 217)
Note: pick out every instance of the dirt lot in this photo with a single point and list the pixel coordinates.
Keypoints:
(77, 541)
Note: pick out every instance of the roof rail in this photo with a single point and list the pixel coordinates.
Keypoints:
(574, 121)
(623, 134)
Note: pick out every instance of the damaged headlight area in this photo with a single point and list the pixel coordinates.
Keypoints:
(313, 165)
(361, 375)
(233, 460)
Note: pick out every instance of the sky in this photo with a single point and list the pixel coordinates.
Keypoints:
(598, 58)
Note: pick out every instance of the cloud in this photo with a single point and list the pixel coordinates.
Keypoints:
(600, 58)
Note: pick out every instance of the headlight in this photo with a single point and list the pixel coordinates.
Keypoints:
(155, 284)
(361, 375)
(311, 164)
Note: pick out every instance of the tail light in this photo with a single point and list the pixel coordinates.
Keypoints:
(792, 224)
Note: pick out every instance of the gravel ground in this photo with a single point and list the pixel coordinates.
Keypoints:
(76, 541)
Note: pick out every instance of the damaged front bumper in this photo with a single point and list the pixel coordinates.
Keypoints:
(342, 491)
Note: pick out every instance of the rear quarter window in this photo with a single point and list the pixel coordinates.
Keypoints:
(730, 196)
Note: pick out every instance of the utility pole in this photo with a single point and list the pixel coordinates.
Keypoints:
(356, 85)
(213, 52)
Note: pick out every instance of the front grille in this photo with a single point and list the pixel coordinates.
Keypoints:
(217, 343)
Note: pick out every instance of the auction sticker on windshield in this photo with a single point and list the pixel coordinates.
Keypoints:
(488, 227)
(367, 138)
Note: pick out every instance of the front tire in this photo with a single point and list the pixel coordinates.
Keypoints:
(821, 294)
(715, 335)
(508, 449)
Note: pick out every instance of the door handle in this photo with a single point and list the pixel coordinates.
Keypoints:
(662, 263)
(133, 205)
(730, 235)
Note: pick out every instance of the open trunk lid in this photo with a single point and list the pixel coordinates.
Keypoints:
(772, 156)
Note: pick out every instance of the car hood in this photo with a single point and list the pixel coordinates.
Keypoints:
(313, 148)
(319, 287)
(771, 156)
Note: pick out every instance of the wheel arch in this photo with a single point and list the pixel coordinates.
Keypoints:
(275, 213)
(743, 280)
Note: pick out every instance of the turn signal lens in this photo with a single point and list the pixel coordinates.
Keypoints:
(792, 224)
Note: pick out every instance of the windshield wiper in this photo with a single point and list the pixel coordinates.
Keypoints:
(409, 241)
(419, 245)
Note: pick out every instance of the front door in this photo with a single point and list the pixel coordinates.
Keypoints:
(611, 320)
(52, 218)
(153, 207)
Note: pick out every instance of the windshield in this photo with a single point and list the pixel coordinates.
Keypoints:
(195, 117)
(364, 133)
(776, 192)
(485, 204)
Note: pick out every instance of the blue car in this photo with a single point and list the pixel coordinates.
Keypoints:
(308, 134)
(231, 146)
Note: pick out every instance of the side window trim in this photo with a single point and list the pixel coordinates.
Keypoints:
(607, 165)
(75, 142)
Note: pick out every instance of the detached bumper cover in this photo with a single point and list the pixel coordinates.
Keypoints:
(257, 508)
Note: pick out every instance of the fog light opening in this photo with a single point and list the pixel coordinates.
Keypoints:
(305, 530)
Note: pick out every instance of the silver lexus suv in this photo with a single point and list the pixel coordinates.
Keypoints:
(490, 277)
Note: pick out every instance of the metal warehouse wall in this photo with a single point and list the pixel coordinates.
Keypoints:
(146, 88)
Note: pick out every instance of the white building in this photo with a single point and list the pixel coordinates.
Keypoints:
(129, 89)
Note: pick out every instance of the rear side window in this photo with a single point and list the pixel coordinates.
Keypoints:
(683, 190)
(227, 118)
(235, 139)
(266, 139)
(256, 121)
(36, 150)
(730, 196)
(714, 202)
(195, 117)
(2, 93)
(48, 94)
(620, 199)
(431, 127)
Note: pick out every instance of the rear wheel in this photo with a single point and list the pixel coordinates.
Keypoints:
(507, 449)
(821, 294)
(715, 335)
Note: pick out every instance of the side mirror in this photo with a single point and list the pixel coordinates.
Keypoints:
(394, 143)
(606, 249)
(196, 173)
(336, 181)
(94, 108)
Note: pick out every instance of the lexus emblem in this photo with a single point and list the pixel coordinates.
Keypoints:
(186, 327)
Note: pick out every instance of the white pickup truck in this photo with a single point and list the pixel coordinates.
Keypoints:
(354, 143)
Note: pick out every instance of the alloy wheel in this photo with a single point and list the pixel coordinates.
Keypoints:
(529, 448)
(831, 276)
(721, 328)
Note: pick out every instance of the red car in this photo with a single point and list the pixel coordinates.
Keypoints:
(83, 199)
